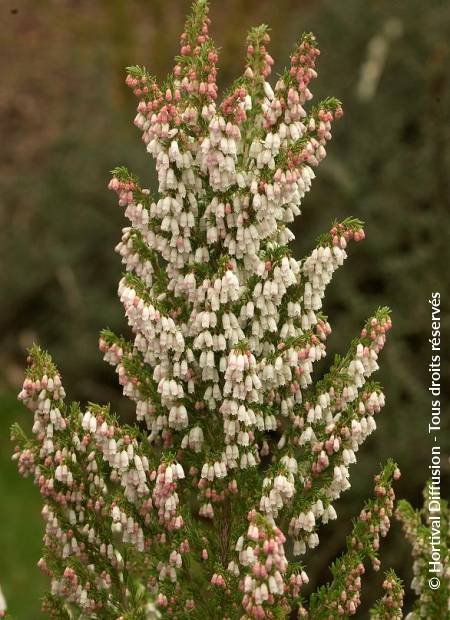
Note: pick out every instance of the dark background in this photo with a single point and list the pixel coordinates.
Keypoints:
(66, 120)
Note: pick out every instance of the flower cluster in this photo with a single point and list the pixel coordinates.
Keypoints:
(261, 554)
(391, 605)
(235, 448)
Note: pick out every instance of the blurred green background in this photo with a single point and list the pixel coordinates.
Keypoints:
(66, 120)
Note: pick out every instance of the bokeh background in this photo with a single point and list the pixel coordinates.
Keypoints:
(66, 120)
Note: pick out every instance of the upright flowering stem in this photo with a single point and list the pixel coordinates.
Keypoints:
(342, 596)
(236, 451)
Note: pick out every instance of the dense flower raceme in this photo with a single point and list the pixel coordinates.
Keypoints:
(236, 456)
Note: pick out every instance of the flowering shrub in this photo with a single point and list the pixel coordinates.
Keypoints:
(236, 455)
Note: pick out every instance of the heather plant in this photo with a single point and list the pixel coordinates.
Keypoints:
(202, 506)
